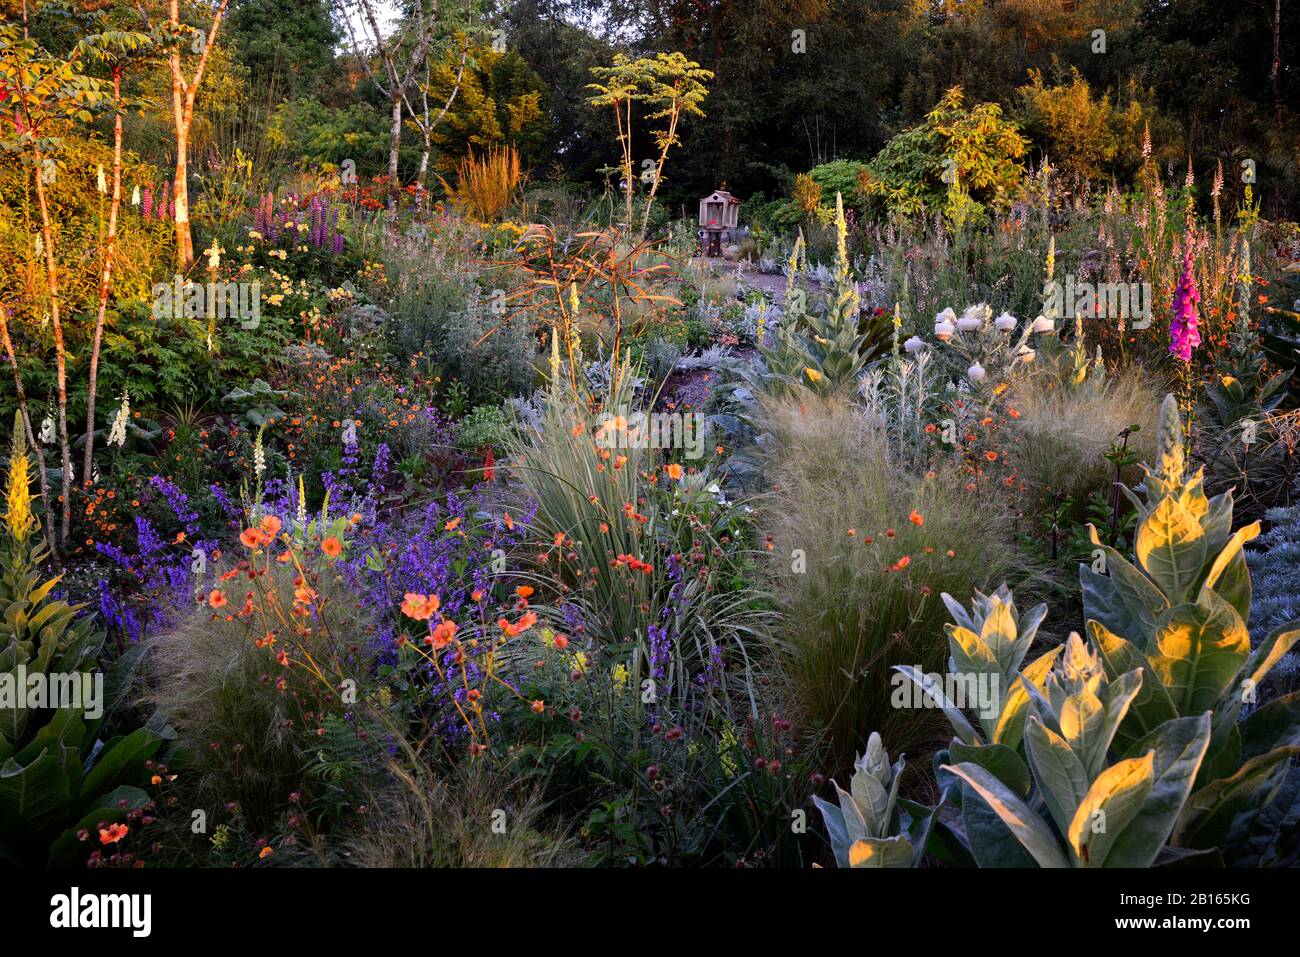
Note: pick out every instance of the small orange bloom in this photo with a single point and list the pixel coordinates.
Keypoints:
(916, 518)
(452, 525)
(270, 526)
(113, 833)
(539, 706)
(265, 852)
(251, 538)
(217, 598)
(443, 634)
(332, 547)
(420, 607)
(674, 471)
(518, 628)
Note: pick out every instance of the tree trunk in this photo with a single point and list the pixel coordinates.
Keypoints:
(105, 279)
(180, 183)
(183, 96)
(424, 167)
(60, 364)
(393, 182)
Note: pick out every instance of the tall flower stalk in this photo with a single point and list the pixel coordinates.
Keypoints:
(1184, 329)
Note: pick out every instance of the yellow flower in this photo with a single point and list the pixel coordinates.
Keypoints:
(18, 497)
(620, 675)
(580, 662)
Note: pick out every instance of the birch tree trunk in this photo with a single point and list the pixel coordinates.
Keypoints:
(104, 280)
(60, 363)
(397, 140)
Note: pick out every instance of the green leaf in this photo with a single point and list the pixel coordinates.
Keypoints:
(1197, 652)
(1178, 746)
(934, 690)
(1062, 779)
(1110, 805)
(1003, 762)
(1208, 814)
(1171, 548)
(894, 851)
(1152, 706)
(121, 761)
(1010, 726)
(1275, 725)
(1028, 828)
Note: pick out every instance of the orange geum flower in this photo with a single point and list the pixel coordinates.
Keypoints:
(538, 706)
(332, 547)
(916, 518)
(270, 526)
(443, 634)
(524, 591)
(251, 538)
(217, 598)
(113, 833)
(674, 471)
(518, 628)
(420, 607)
(265, 852)
(452, 525)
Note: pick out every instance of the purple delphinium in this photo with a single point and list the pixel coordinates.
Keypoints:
(1184, 334)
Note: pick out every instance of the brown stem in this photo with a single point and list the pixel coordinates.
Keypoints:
(60, 357)
(105, 279)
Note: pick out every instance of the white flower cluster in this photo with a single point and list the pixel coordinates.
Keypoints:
(981, 335)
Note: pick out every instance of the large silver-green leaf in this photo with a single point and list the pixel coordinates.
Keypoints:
(893, 851)
(934, 689)
(833, 818)
(1274, 725)
(1271, 650)
(1010, 726)
(1005, 763)
(1028, 828)
(1112, 802)
(1062, 779)
(1197, 652)
(1178, 747)
(1152, 706)
(1122, 692)
(1208, 814)
(1124, 599)
(1171, 548)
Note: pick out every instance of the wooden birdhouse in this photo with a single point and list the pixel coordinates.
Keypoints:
(719, 210)
(718, 214)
